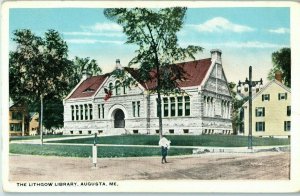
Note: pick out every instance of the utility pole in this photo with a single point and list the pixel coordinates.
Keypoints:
(250, 85)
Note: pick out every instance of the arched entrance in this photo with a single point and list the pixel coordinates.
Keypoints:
(119, 119)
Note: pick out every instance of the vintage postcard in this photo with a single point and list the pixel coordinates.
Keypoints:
(154, 96)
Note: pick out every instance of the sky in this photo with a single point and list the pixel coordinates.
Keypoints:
(246, 36)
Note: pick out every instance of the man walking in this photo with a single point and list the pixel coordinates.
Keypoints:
(165, 145)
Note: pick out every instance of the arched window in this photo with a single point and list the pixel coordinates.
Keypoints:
(118, 87)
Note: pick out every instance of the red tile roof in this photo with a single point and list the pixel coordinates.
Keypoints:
(194, 73)
(89, 87)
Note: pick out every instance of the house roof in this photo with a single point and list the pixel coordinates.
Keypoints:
(88, 87)
(194, 73)
(266, 86)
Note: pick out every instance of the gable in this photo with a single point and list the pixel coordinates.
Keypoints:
(137, 89)
(216, 81)
(273, 88)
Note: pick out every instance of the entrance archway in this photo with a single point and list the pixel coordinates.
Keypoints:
(119, 119)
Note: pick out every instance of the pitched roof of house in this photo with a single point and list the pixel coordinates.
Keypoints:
(266, 86)
(194, 73)
(89, 86)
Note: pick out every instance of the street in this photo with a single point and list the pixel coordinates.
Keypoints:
(210, 166)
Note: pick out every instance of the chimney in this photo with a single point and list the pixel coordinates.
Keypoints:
(85, 74)
(278, 76)
(118, 64)
(216, 55)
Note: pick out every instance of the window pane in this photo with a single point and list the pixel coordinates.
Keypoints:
(91, 111)
(179, 109)
(86, 111)
(138, 109)
(288, 111)
(187, 105)
(81, 112)
(173, 108)
(133, 109)
(102, 110)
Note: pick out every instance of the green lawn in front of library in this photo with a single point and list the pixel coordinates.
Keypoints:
(34, 137)
(86, 151)
(73, 150)
(182, 140)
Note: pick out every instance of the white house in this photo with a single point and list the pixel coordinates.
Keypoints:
(204, 108)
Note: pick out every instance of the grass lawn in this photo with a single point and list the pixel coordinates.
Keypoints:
(183, 140)
(86, 151)
(12, 138)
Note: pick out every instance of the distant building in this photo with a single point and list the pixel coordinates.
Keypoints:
(17, 120)
(205, 107)
(34, 123)
(271, 111)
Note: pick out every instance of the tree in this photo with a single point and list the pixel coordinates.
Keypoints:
(282, 62)
(39, 68)
(154, 32)
(236, 107)
(84, 64)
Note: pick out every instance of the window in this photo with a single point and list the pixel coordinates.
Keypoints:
(102, 106)
(259, 111)
(282, 96)
(287, 125)
(15, 127)
(173, 104)
(80, 132)
(118, 88)
(86, 111)
(77, 112)
(110, 86)
(185, 131)
(166, 107)
(91, 111)
(72, 109)
(265, 97)
(100, 131)
(187, 105)
(17, 115)
(99, 111)
(171, 131)
(157, 131)
(138, 109)
(89, 132)
(135, 131)
(288, 111)
(133, 109)
(124, 90)
(179, 102)
(71, 132)
(260, 126)
(81, 112)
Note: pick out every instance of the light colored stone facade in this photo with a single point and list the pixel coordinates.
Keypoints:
(203, 109)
